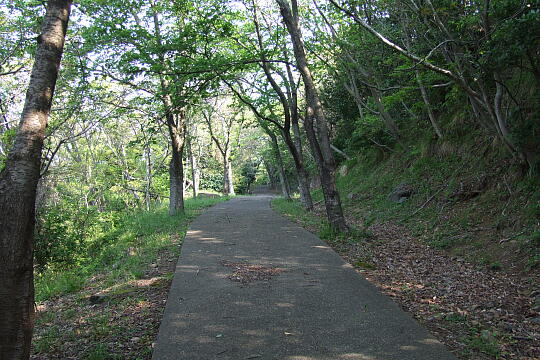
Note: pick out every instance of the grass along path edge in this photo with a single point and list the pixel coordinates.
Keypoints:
(478, 312)
(110, 306)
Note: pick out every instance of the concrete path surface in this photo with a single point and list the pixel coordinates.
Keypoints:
(306, 303)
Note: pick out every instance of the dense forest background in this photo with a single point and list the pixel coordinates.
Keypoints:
(433, 102)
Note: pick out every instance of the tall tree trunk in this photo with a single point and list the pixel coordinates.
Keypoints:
(320, 144)
(148, 175)
(18, 183)
(195, 171)
(352, 89)
(177, 130)
(429, 108)
(285, 188)
(298, 159)
(281, 168)
(225, 151)
(423, 92)
(289, 101)
(176, 125)
(228, 185)
(303, 177)
(303, 188)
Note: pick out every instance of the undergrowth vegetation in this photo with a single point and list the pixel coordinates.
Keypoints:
(118, 245)
(472, 206)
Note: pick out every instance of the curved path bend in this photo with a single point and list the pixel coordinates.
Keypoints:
(305, 302)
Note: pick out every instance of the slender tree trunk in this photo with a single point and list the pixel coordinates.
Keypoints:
(303, 176)
(289, 102)
(352, 89)
(501, 118)
(127, 175)
(320, 144)
(195, 171)
(423, 92)
(479, 113)
(228, 185)
(225, 151)
(193, 160)
(281, 168)
(429, 109)
(18, 183)
(285, 189)
(148, 187)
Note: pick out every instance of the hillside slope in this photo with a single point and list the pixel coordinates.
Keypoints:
(453, 237)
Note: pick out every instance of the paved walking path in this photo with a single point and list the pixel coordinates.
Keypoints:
(316, 308)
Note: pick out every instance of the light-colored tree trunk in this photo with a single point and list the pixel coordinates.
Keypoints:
(228, 184)
(224, 148)
(193, 155)
(195, 171)
(148, 176)
(352, 89)
(429, 108)
(18, 183)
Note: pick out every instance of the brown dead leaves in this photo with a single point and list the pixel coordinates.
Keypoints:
(449, 295)
(245, 273)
